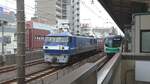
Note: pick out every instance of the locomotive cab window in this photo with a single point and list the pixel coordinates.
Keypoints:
(56, 39)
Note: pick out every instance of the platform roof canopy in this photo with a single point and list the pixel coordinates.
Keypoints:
(121, 10)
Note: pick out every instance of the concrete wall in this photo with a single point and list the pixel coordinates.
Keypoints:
(128, 72)
(128, 75)
(141, 22)
(142, 71)
(117, 76)
(11, 59)
(124, 73)
(46, 9)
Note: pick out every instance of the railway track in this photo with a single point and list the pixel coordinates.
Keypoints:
(32, 76)
(13, 67)
(35, 75)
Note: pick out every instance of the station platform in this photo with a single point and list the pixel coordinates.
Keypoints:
(122, 68)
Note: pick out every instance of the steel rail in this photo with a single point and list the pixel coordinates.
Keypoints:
(13, 67)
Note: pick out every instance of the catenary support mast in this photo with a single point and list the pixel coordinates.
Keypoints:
(20, 57)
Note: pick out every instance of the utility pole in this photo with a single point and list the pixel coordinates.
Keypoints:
(2, 30)
(2, 23)
(20, 57)
(3, 53)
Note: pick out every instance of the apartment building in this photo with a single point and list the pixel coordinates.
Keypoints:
(54, 10)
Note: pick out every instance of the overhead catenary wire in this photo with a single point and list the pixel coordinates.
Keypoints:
(90, 9)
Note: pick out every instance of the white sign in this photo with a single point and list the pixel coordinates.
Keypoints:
(37, 25)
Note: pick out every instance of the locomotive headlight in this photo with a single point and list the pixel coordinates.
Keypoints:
(63, 47)
(65, 56)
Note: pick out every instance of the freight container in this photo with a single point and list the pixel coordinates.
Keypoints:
(35, 32)
(35, 38)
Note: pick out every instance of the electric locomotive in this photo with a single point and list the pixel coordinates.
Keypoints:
(61, 48)
(112, 45)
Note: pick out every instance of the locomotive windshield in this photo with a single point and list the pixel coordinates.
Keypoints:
(57, 39)
(54, 39)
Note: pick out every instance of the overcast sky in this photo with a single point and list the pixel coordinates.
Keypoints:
(97, 15)
(10, 5)
(94, 12)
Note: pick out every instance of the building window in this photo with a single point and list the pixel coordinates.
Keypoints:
(145, 41)
(64, 17)
(58, 4)
(77, 8)
(58, 10)
(72, 6)
(58, 16)
(15, 36)
(64, 11)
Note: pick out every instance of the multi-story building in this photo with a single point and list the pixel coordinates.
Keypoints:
(7, 31)
(55, 10)
(46, 9)
(9, 39)
(62, 9)
(75, 16)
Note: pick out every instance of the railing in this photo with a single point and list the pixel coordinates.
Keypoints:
(107, 73)
(100, 72)
(135, 68)
(86, 74)
(135, 56)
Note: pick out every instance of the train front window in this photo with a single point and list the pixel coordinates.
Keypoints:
(116, 42)
(108, 42)
(112, 42)
(56, 40)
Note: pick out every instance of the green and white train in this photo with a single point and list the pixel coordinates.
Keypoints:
(113, 44)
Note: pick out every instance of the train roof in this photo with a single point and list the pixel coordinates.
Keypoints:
(68, 34)
(61, 34)
(114, 36)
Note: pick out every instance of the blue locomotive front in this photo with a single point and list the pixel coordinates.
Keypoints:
(60, 48)
(56, 48)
